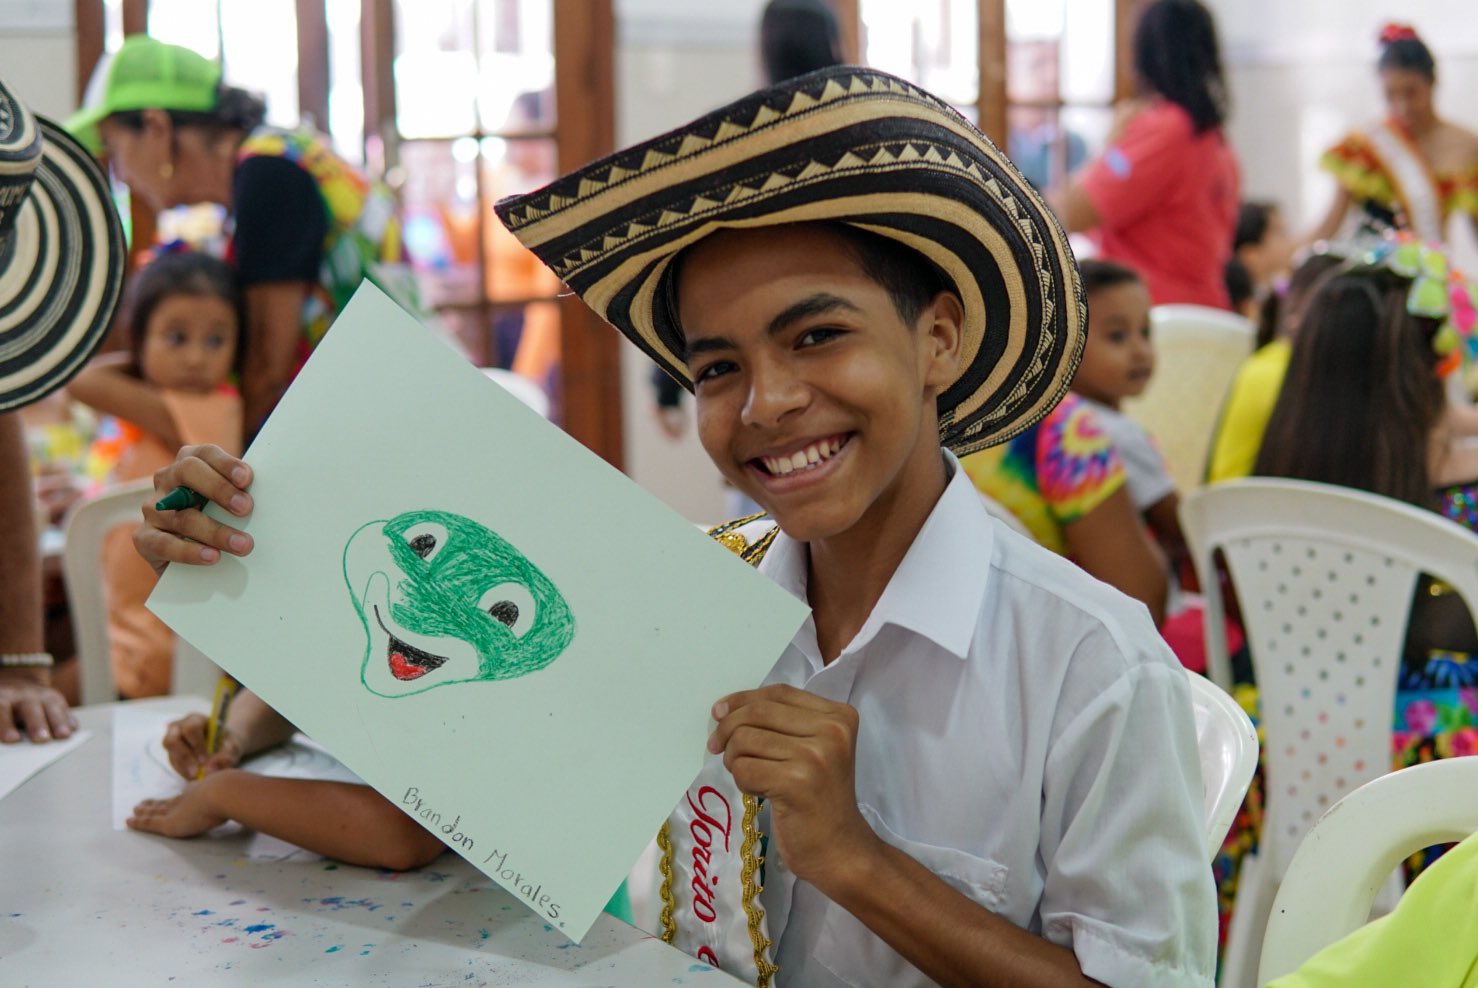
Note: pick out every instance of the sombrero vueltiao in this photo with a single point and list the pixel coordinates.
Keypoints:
(61, 255)
(847, 145)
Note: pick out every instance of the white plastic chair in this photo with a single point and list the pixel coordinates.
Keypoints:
(1197, 353)
(86, 525)
(1325, 577)
(1228, 744)
(1334, 876)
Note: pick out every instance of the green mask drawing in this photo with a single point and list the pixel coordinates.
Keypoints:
(444, 600)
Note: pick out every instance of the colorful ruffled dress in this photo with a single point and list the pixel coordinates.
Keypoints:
(1384, 172)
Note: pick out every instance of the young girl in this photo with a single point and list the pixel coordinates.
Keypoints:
(1068, 478)
(172, 390)
(1363, 406)
(1117, 363)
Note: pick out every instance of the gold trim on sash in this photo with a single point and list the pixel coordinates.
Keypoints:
(668, 918)
(751, 889)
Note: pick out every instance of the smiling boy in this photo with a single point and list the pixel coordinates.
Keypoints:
(976, 764)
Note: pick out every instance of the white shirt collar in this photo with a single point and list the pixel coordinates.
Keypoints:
(937, 589)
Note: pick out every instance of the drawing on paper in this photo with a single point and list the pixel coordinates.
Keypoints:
(446, 600)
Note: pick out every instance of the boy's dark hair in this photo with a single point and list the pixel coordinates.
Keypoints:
(798, 36)
(235, 109)
(1361, 395)
(1252, 222)
(1177, 54)
(1409, 54)
(186, 272)
(1098, 274)
(910, 279)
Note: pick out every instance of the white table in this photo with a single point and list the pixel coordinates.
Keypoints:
(81, 903)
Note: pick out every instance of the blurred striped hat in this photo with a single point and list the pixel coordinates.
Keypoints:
(61, 255)
(843, 145)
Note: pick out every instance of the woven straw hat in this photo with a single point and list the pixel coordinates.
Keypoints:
(61, 255)
(848, 145)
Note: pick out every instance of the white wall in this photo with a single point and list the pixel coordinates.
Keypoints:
(38, 54)
(1303, 73)
(676, 60)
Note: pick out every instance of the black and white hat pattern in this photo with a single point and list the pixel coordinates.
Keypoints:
(61, 255)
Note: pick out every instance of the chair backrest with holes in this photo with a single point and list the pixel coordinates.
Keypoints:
(1325, 577)
(1197, 353)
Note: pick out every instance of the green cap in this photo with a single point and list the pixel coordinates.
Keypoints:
(144, 74)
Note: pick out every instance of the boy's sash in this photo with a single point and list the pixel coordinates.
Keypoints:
(711, 846)
(1416, 189)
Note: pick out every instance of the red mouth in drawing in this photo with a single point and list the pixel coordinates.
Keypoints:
(406, 661)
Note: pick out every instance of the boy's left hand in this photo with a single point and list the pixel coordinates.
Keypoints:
(190, 814)
(797, 750)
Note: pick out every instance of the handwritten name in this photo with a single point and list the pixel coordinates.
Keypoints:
(417, 807)
(535, 893)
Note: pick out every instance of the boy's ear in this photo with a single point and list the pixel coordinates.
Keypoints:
(940, 332)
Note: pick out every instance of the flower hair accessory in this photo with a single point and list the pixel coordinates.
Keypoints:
(1392, 33)
(1438, 291)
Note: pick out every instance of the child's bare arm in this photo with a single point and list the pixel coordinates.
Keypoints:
(106, 386)
(1164, 518)
(1111, 544)
(341, 820)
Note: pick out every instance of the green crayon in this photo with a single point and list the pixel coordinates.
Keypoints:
(181, 498)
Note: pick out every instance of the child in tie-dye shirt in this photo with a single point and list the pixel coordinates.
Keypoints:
(1065, 482)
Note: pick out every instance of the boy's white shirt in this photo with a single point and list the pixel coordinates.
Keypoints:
(1027, 736)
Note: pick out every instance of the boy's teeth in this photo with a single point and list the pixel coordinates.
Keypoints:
(803, 458)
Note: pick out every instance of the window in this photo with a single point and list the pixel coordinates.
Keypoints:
(1038, 76)
(457, 102)
(476, 117)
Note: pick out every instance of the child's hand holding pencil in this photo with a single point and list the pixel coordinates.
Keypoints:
(198, 744)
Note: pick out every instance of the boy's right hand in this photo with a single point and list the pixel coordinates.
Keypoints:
(184, 742)
(188, 536)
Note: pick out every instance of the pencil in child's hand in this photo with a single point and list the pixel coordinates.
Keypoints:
(225, 689)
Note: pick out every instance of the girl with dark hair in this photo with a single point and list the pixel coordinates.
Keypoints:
(1263, 249)
(1361, 401)
(171, 390)
(1163, 197)
(1363, 407)
(307, 227)
(1078, 480)
(1255, 389)
(1414, 170)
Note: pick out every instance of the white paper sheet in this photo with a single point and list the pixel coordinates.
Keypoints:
(20, 761)
(141, 770)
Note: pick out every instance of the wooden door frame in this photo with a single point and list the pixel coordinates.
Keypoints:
(585, 127)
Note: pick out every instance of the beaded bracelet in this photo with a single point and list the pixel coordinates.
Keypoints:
(39, 660)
